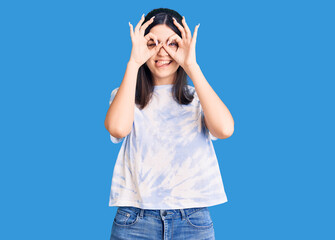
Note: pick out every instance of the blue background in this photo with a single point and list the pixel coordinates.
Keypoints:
(271, 63)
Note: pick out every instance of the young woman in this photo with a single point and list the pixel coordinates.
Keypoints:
(166, 173)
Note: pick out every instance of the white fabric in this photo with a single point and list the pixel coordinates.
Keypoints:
(167, 161)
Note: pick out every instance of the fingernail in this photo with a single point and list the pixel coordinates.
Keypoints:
(174, 19)
(168, 42)
(152, 17)
(156, 42)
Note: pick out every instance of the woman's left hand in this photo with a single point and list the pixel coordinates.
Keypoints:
(185, 53)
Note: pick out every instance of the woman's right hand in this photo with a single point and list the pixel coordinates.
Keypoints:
(140, 52)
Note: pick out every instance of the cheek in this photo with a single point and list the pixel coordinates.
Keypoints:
(176, 65)
(149, 63)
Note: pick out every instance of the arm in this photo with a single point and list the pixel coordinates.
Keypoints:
(218, 119)
(120, 115)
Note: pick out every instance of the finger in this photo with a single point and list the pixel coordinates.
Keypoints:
(131, 30)
(145, 25)
(187, 29)
(137, 28)
(175, 37)
(156, 49)
(180, 27)
(152, 36)
(169, 51)
(194, 39)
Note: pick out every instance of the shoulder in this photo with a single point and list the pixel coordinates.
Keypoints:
(115, 90)
(193, 92)
(113, 93)
(191, 88)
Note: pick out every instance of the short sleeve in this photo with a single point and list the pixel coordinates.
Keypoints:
(203, 117)
(114, 139)
(207, 130)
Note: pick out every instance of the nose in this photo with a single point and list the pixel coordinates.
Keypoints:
(162, 52)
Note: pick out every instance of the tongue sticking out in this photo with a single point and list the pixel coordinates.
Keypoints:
(159, 64)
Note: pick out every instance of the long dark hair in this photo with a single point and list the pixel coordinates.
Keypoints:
(145, 83)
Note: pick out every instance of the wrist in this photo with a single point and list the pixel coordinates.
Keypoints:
(190, 67)
(134, 63)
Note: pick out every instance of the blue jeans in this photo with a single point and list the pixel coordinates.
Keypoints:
(177, 224)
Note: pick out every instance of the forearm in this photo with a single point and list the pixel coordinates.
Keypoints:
(218, 119)
(120, 115)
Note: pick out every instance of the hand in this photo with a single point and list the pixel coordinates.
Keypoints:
(140, 52)
(185, 54)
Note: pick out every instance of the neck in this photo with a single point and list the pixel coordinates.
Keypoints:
(164, 81)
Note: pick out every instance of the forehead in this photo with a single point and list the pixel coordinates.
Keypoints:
(162, 32)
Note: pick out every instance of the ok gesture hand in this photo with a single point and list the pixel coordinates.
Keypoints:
(185, 54)
(140, 52)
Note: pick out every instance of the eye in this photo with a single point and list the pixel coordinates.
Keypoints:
(173, 44)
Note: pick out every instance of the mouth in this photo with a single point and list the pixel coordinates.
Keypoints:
(162, 63)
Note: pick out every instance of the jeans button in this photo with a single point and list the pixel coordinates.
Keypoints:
(164, 213)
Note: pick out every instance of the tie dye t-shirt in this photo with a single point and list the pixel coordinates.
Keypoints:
(167, 161)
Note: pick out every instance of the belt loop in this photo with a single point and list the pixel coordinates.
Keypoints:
(182, 214)
(141, 213)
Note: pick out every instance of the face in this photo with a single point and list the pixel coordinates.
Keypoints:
(162, 73)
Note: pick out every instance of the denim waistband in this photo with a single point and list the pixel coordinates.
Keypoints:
(163, 213)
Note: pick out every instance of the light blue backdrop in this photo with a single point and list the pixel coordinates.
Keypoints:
(271, 63)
